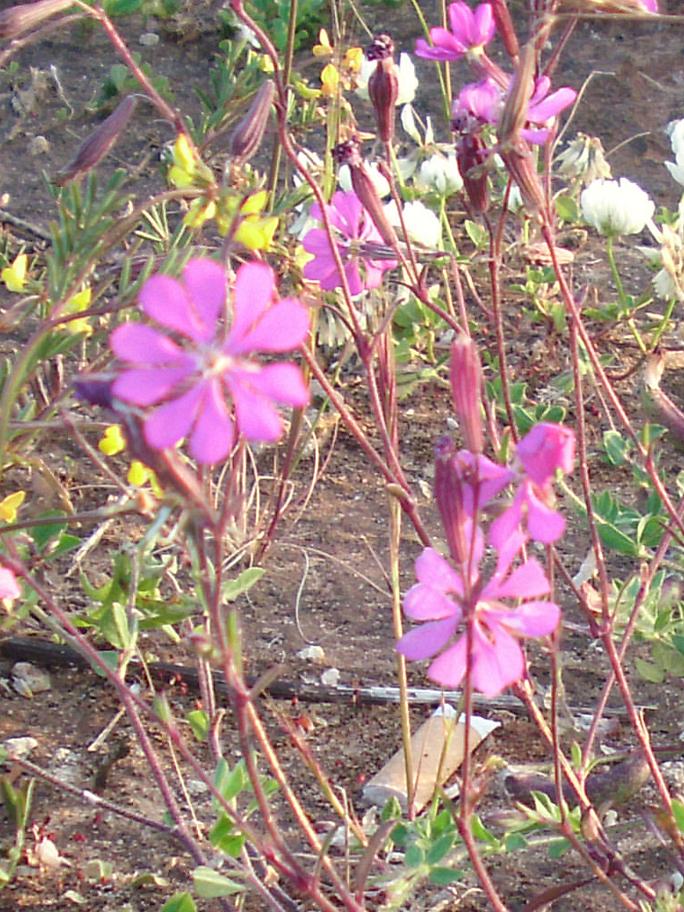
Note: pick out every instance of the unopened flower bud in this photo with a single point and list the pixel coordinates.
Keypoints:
(466, 389)
(383, 85)
(98, 144)
(471, 154)
(16, 20)
(349, 153)
(514, 113)
(248, 134)
(449, 498)
(520, 164)
(504, 26)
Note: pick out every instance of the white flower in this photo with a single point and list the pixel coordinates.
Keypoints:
(406, 76)
(408, 122)
(422, 225)
(616, 207)
(379, 182)
(675, 130)
(440, 173)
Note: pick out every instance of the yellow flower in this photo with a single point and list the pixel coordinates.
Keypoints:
(112, 441)
(330, 80)
(353, 59)
(200, 212)
(10, 505)
(14, 276)
(79, 302)
(323, 48)
(255, 203)
(187, 169)
(256, 233)
(139, 475)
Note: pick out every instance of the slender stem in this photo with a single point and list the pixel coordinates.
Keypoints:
(622, 297)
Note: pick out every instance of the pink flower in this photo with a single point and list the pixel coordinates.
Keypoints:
(189, 383)
(478, 103)
(470, 30)
(497, 659)
(543, 109)
(542, 451)
(358, 242)
(9, 587)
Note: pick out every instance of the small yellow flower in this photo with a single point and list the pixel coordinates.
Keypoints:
(256, 233)
(14, 276)
(200, 212)
(353, 59)
(112, 441)
(330, 80)
(79, 302)
(323, 48)
(255, 203)
(139, 475)
(187, 169)
(10, 505)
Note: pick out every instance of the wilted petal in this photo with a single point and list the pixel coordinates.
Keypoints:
(283, 327)
(211, 439)
(426, 640)
(172, 421)
(423, 602)
(145, 345)
(148, 386)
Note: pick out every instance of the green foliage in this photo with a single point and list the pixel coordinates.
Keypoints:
(17, 800)
(274, 17)
(120, 81)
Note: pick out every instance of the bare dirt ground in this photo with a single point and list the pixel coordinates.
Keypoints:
(342, 604)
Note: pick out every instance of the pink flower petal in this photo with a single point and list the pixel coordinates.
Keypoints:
(426, 640)
(212, 436)
(447, 49)
(282, 328)
(144, 386)
(497, 664)
(257, 418)
(449, 668)
(354, 280)
(436, 571)
(253, 293)
(144, 345)
(551, 106)
(9, 587)
(347, 213)
(533, 619)
(546, 448)
(485, 26)
(284, 383)
(166, 300)
(544, 524)
(507, 552)
(205, 282)
(505, 526)
(172, 421)
(526, 581)
(423, 602)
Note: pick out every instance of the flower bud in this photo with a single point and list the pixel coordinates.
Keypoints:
(449, 498)
(248, 134)
(520, 164)
(466, 389)
(504, 25)
(349, 153)
(97, 145)
(383, 85)
(16, 20)
(471, 155)
(514, 113)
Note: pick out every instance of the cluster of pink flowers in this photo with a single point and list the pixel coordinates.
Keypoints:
(448, 594)
(192, 381)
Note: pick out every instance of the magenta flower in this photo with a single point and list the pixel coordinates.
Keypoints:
(543, 109)
(358, 240)
(497, 659)
(469, 31)
(541, 452)
(479, 101)
(189, 383)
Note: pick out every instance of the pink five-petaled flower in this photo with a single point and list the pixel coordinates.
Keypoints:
(542, 451)
(470, 31)
(356, 236)
(190, 384)
(497, 659)
(9, 587)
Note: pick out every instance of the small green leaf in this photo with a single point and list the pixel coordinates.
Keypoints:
(513, 842)
(440, 848)
(442, 877)
(209, 884)
(391, 810)
(616, 447)
(149, 879)
(566, 208)
(233, 588)
(678, 813)
(198, 721)
(179, 902)
(414, 856)
(650, 672)
(558, 847)
(230, 782)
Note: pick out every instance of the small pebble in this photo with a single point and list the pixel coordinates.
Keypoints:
(312, 654)
(149, 39)
(331, 677)
(39, 146)
(20, 747)
(28, 680)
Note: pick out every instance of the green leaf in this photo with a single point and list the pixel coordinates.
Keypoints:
(558, 847)
(617, 540)
(616, 447)
(442, 877)
(230, 782)
(198, 721)
(223, 837)
(122, 7)
(179, 902)
(480, 831)
(42, 535)
(391, 810)
(566, 208)
(209, 884)
(513, 842)
(440, 848)
(233, 588)
(678, 813)
(476, 233)
(650, 672)
(414, 856)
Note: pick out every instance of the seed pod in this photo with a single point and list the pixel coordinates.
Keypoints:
(16, 20)
(383, 85)
(98, 144)
(449, 498)
(349, 153)
(514, 112)
(466, 389)
(248, 134)
(471, 155)
(504, 25)
(520, 164)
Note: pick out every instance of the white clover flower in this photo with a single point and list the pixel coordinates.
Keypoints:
(380, 183)
(440, 173)
(408, 122)
(616, 207)
(406, 75)
(422, 225)
(675, 130)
